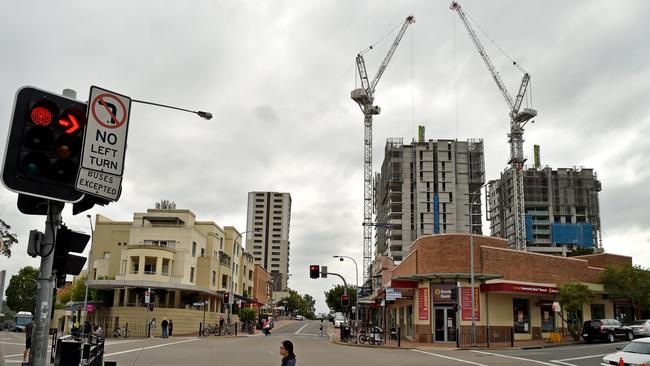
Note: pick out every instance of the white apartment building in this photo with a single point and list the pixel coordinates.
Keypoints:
(268, 222)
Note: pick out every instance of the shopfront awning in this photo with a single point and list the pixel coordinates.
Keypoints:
(519, 288)
(448, 276)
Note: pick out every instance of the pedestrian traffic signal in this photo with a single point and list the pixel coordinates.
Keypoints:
(345, 301)
(226, 297)
(314, 271)
(65, 263)
(44, 145)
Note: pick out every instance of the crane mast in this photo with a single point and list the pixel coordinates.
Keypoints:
(516, 136)
(365, 97)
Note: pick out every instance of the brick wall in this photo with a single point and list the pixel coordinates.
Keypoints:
(605, 259)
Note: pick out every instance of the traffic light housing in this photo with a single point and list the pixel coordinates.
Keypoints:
(226, 297)
(65, 263)
(314, 271)
(44, 144)
(345, 301)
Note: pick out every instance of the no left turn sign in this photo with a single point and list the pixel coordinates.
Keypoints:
(104, 147)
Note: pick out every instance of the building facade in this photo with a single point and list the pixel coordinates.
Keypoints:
(562, 208)
(268, 222)
(185, 265)
(514, 290)
(427, 187)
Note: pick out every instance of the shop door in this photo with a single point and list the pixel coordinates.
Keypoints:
(444, 325)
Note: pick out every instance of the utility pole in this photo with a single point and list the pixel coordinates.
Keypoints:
(45, 279)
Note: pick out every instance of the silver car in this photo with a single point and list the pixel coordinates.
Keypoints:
(636, 352)
(641, 328)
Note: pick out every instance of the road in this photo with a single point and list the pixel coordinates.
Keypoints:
(313, 350)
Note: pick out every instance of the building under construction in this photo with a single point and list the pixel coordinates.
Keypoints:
(561, 205)
(427, 187)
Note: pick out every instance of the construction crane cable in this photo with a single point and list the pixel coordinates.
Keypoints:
(381, 39)
(515, 63)
(412, 94)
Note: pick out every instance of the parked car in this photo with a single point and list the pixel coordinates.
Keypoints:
(636, 352)
(339, 321)
(605, 330)
(300, 317)
(641, 328)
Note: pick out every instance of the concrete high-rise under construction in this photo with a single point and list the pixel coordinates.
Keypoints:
(267, 225)
(561, 205)
(427, 187)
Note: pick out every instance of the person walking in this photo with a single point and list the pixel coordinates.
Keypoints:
(28, 340)
(286, 351)
(170, 327)
(163, 325)
(152, 327)
(221, 321)
(320, 330)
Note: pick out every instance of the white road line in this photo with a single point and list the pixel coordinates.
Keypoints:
(516, 358)
(561, 362)
(150, 347)
(449, 358)
(18, 344)
(303, 327)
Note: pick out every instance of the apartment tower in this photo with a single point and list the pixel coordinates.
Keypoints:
(427, 187)
(561, 205)
(267, 224)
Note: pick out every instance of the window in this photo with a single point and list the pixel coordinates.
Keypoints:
(221, 243)
(193, 249)
(597, 311)
(224, 281)
(214, 278)
(548, 318)
(275, 259)
(521, 315)
(202, 252)
(107, 255)
(275, 265)
(150, 265)
(165, 266)
(191, 274)
(275, 253)
(275, 247)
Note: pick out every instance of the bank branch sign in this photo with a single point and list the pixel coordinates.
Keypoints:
(104, 146)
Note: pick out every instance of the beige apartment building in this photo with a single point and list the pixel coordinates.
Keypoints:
(268, 221)
(186, 262)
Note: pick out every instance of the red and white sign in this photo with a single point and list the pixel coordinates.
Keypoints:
(466, 304)
(423, 303)
(104, 147)
(90, 308)
(147, 297)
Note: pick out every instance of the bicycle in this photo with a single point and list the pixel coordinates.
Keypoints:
(228, 329)
(248, 327)
(121, 332)
(210, 329)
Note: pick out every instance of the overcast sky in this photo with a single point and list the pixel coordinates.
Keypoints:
(277, 76)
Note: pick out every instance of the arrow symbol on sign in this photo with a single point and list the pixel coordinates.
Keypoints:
(71, 123)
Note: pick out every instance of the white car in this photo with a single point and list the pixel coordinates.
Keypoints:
(300, 317)
(641, 328)
(339, 321)
(636, 352)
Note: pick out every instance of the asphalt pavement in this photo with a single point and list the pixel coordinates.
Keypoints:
(312, 349)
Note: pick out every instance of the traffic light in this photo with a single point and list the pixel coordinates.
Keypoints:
(44, 145)
(314, 271)
(226, 297)
(65, 263)
(345, 301)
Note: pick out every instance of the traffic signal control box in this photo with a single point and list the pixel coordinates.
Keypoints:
(44, 144)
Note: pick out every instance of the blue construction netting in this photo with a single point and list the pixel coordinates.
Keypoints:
(436, 214)
(529, 228)
(580, 234)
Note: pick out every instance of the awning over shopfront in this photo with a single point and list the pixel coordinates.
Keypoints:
(519, 288)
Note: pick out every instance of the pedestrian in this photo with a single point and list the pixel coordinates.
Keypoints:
(28, 340)
(163, 326)
(170, 327)
(152, 327)
(286, 351)
(320, 330)
(267, 327)
(221, 321)
(99, 332)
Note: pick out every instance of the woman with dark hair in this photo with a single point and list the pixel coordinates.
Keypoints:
(286, 351)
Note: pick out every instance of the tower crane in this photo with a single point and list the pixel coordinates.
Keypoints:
(516, 136)
(365, 97)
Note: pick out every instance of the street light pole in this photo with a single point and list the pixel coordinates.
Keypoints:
(356, 296)
(471, 262)
(90, 257)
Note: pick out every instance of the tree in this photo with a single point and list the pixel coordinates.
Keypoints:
(572, 297)
(308, 307)
(22, 289)
(8, 239)
(580, 251)
(631, 283)
(304, 305)
(333, 297)
(247, 314)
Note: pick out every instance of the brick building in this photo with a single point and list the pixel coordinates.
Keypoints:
(513, 289)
